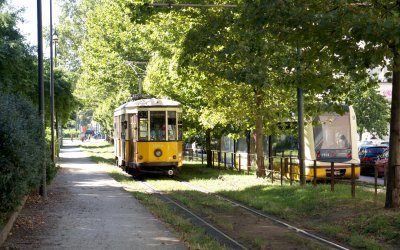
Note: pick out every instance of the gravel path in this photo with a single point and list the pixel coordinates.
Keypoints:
(87, 209)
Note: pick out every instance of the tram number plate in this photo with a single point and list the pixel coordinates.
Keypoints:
(335, 172)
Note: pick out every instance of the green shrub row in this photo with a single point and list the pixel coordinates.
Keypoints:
(23, 151)
(67, 133)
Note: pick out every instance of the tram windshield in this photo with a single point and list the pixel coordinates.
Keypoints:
(157, 126)
(143, 125)
(171, 125)
(332, 136)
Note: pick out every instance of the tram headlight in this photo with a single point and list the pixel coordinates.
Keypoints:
(140, 157)
(174, 157)
(158, 152)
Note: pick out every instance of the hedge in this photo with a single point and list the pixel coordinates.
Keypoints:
(22, 151)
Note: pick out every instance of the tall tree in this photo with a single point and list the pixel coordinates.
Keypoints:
(18, 72)
(371, 108)
(245, 47)
(359, 35)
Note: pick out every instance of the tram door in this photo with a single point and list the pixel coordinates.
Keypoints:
(123, 136)
(116, 136)
(132, 137)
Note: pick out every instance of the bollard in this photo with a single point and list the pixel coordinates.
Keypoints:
(353, 181)
(272, 169)
(290, 170)
(232, 160)
(240, 164)
(384, 175)
(281, 171)
(248, 163)
(376, 180)
(212, 154)
(224, 160)
(332, 176)
(315, 174)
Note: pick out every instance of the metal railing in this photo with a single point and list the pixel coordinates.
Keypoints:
(279, 168)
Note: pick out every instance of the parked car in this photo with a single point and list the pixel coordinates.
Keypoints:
(384, 143)
(382, 163)
(368, 156)
(361, 144)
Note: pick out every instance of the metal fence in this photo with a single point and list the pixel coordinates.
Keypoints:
(284, 169)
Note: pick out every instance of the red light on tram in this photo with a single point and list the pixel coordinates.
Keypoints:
(349, 154)
(318, 154)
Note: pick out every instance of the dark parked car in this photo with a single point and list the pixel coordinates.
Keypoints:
(368, 156)
(382, 163)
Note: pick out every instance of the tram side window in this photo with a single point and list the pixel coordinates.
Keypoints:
(171, 125)
(115, 127)
(157, 126)
(133, 127)
(123, 126)
(143, 125)
(179, 117)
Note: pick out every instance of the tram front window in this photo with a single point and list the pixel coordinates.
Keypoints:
(171, 125)
(333, 133)
(332, 136)
(157, 126)
(143, 125)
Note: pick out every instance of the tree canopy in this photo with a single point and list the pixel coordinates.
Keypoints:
(233, 66)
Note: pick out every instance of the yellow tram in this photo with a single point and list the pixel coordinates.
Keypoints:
(332, 140)
(148, 136)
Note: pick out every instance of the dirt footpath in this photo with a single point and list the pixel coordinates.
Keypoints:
(87, 209)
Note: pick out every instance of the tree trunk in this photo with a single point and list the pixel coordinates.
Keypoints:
(393, 177)
(208, 148)
(259, 136)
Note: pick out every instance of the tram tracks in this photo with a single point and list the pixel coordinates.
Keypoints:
(246, 223)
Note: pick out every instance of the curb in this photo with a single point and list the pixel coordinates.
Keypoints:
(7, 228)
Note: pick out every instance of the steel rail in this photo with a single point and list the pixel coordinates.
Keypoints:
(226, 239)
(296, 229)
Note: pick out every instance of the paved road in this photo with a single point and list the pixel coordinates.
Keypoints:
(371, 180)
(87, 209)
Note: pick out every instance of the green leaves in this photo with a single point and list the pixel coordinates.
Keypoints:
(372, 109)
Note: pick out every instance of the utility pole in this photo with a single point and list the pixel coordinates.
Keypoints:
(300, 122)
(43, 189)
(52, 147)
(58, 128)
(300, 113)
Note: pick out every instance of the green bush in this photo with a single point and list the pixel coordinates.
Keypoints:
(22, 151)
(67, 133)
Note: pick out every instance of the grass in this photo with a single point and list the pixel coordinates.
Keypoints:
(361, 222)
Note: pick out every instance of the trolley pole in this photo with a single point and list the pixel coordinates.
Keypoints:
(43, 189)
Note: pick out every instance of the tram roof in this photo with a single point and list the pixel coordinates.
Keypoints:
(147, 103)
